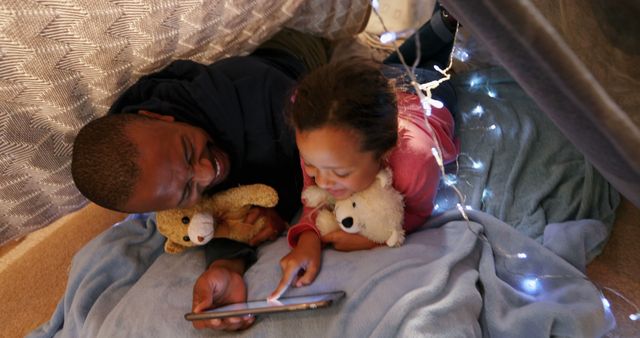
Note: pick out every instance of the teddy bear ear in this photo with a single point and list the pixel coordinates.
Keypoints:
(314, 196)
(385, 176)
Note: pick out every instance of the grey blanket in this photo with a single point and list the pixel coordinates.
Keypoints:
(445, 281)
(517, 165)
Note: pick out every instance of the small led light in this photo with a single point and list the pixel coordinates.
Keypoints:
(474, 81)
(521, 255)
(436, 154)
(477, 165)
(478, 110)
(436, 103)
(388, 37)
(424, 102)
(634, 316)
(492, 127)
(468, 207)
(492, 93)
(460, 54)
(427, 102)
(531, 285)
(450, 179)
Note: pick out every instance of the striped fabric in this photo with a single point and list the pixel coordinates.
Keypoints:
(63, 62)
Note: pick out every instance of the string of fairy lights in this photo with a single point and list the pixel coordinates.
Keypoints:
(530, 283)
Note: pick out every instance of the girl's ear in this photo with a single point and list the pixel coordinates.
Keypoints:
(166, 118)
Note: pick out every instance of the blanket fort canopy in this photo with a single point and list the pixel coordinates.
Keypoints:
(579, 64)
(468, 272)
(63, 62)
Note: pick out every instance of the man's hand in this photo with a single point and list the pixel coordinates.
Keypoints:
(221, 284)
(275, 224)
(301, 264)
(343, 241)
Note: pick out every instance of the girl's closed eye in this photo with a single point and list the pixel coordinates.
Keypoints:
(341, 174)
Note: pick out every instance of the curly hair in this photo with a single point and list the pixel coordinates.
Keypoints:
(103, 163)
(352, 94)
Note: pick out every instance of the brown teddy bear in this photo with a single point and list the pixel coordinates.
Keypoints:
(220, 215)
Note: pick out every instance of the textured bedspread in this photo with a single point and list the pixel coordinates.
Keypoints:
(63, 63)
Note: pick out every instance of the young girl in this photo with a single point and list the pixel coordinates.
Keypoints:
(350, 122)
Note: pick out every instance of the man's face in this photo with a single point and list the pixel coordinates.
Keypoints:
(177, 163)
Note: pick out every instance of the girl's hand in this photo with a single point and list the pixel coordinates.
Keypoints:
(344, 241)
(300, 267)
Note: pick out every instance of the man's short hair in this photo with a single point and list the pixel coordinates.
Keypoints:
(104, 162)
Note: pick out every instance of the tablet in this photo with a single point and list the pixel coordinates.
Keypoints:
(284, 304)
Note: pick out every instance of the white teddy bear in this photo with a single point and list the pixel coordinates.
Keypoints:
(376, 212)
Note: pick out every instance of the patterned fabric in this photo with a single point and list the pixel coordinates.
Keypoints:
(397, 19)
(63, 62)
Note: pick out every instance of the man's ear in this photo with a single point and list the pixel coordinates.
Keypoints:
(166, 118)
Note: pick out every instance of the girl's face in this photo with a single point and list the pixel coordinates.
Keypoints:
(332, 157)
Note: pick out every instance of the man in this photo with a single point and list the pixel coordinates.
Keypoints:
(192, 129)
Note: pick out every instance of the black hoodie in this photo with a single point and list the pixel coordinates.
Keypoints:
(239, 101)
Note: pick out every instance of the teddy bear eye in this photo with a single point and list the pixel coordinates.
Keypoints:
(354, 204)
(185, 220)
(186, 238)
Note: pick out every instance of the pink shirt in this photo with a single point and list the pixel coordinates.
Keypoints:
(415, 171)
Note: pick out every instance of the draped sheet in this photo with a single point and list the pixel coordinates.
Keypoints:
(445, 281)
(578, 61)
(63, 62)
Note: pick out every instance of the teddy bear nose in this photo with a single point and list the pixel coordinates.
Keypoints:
(347, 222)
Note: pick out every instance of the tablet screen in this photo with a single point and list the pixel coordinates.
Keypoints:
(297, 303)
